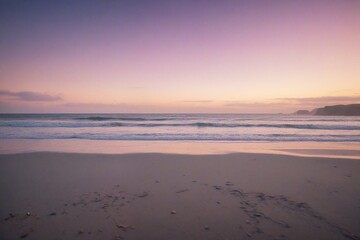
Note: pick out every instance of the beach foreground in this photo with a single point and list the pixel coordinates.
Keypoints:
(171, 196)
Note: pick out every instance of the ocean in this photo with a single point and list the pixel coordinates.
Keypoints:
(181, 127)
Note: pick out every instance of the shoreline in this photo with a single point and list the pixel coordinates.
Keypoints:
(306, 149)
(174, 196)
(300, 153)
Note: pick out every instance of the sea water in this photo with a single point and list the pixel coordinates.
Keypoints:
(181, 127)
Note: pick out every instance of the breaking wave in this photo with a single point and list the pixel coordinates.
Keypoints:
(79, 124)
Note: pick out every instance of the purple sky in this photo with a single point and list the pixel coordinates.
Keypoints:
(178, 56)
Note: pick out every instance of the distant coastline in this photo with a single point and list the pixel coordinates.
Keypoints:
(334, 110)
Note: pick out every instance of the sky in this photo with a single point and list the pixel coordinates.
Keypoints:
(142, 56)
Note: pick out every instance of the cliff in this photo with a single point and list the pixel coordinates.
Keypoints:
(336, 110)
(339, 110)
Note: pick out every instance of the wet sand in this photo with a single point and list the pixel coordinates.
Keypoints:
(172, 196)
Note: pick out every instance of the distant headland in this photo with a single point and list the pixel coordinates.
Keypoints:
(335, 110)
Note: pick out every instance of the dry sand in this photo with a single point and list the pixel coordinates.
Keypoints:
(169, 196)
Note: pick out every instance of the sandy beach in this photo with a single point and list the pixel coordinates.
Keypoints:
(172, 196)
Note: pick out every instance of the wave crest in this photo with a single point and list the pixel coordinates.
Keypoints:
(77, 124)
